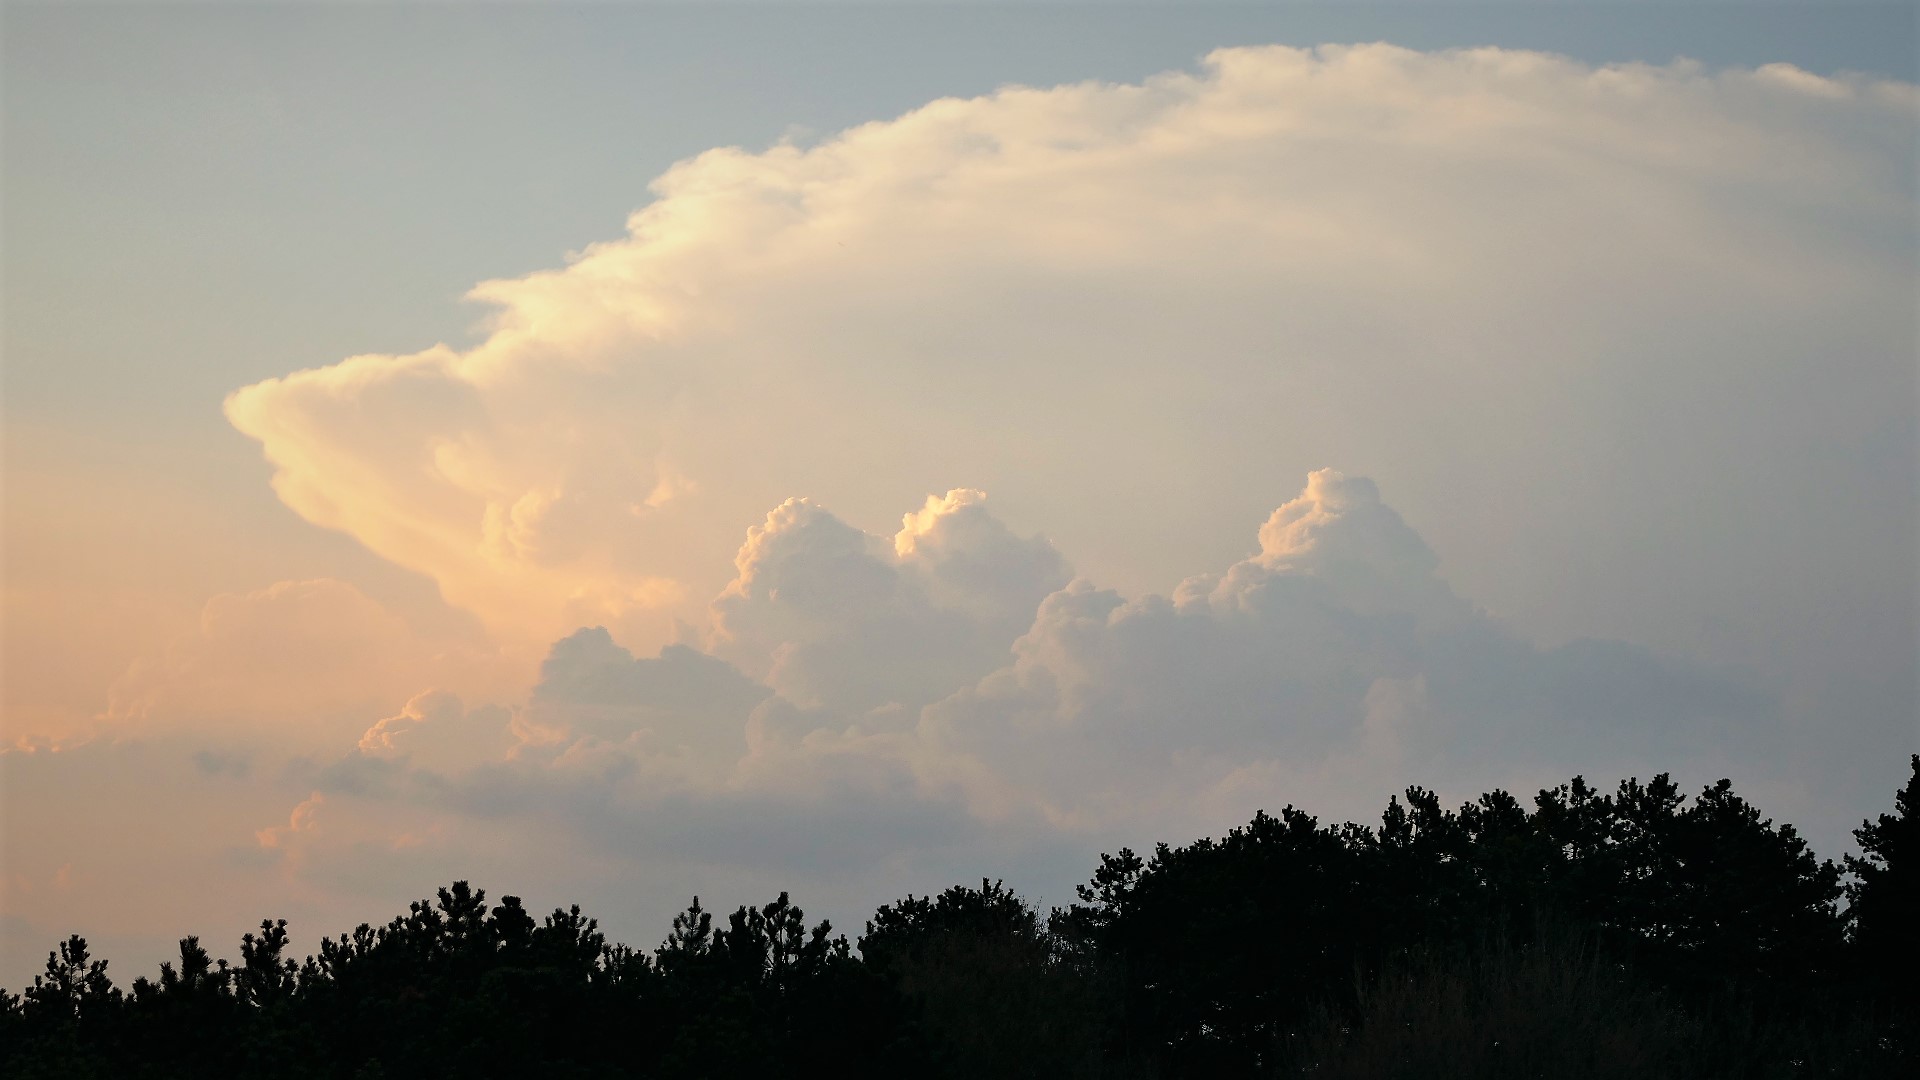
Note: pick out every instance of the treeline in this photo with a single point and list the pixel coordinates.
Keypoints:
(1632, 933)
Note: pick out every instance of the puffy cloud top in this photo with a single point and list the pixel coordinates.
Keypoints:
(833, 617)
(1336, 642)
(1337, 520)
(837, 673)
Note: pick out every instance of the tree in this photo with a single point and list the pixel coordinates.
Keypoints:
(1591, 934)
(1882, 901)
(985, 982)
(75, 986)
(1223, 946)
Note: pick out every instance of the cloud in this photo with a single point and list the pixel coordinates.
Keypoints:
(437, 731)
(1327, 668)
(222, 763)
(682, 707)
(831, 617)
(685, 755)
(1594, 321)
(299, 822)
(1335, 650)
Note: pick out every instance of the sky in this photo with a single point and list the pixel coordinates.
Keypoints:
(614, 453)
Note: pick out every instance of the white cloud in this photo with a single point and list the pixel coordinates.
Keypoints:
(1332, 662)
(1596, 324)
(1335, 649)
(832, 617)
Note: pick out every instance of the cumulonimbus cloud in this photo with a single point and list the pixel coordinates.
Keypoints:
(1336, 643)
(1632, 345)
(1330, 665)
(1468, 270)
(832, 617)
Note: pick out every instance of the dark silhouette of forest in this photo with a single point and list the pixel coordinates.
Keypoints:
(1636, 933)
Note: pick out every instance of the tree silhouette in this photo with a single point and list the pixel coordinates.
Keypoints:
(1220, 946)
(1633, 932)
(1881, 904)
(987, 986)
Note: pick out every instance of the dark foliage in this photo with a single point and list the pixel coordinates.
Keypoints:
(1637, 933)
(1882, 902)
(1553, 1006)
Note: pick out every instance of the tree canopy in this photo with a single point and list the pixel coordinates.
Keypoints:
(1586, 934)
